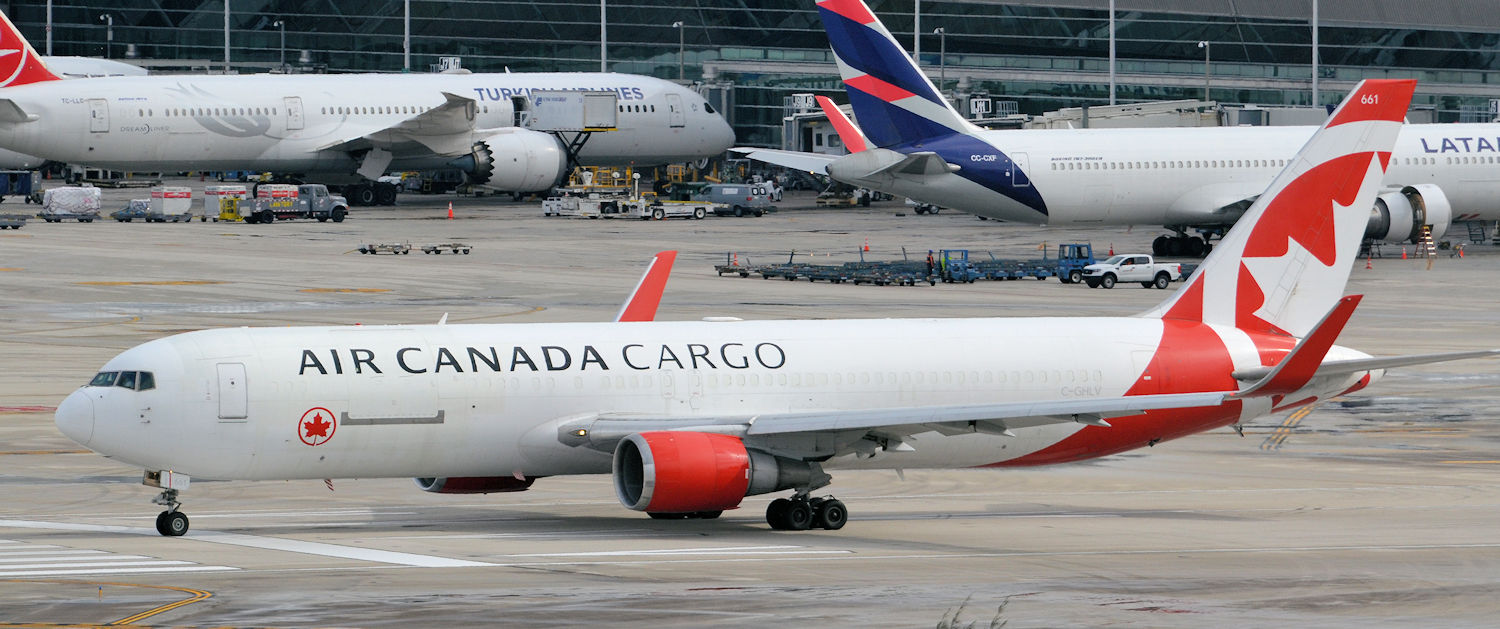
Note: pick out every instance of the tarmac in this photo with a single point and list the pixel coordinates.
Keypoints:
(1376, 510)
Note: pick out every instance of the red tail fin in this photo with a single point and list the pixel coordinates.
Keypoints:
(647, 294)
(19, 63)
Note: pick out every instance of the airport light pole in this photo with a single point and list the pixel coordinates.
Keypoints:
(603, 37)
(109, 32)
(1315, 53)
(1206, 46)
(405, 37)
(281, 24)
(680, 39)
(942, 56)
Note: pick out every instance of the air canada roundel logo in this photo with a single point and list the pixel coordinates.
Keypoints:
(317, 426)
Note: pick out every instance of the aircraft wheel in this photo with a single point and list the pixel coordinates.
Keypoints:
(708, 515)
(776, 513)
(172, 523)
(1159, 246)
(1175, 246)
(799, 515)
(666, 516)
(1194, 247)
(831, 515)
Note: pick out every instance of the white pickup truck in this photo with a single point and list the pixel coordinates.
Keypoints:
(1131, 268)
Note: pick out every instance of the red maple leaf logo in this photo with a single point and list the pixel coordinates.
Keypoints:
(317, 427)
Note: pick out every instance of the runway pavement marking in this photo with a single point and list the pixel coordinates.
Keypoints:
(58, 573)
(154, 283)
(266, 543)
(72, 555)
(101, 564)
(1282, 432)
(10, 556)
(729, 550)
(1473, 462)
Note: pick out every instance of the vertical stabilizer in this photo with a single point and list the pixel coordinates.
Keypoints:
(1285, 263)
(893, 100)
(19, 63)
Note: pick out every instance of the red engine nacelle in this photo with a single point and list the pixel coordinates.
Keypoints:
(475, 484)
(685, 472)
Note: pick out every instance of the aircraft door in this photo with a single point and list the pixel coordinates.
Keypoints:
(1019, 164)
(234, 400)
(674, 107)
(98, 115)
(294, 119)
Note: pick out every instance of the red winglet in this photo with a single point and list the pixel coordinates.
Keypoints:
(647, 294)
(1376, 99)
(853, 139)
(1299, 367)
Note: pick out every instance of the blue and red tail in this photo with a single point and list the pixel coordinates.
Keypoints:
(894, 101)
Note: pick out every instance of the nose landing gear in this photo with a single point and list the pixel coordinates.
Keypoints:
(801, 513)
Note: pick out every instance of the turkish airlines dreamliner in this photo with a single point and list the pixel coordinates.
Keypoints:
(341, 127)
(1186, 179)
(691, 417)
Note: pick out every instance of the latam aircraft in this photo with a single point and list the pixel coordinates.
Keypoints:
(691, 417)
(347, 127)
(1185, 179)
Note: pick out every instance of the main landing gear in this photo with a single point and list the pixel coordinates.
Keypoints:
(1184, 245)
(801, 513)
(171, 523)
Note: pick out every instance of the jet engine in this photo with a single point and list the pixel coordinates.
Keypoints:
(687, 472)
(475, 484)
(515, 160)
(1399, 216)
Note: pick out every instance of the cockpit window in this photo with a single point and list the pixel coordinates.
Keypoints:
(127, 380)
(145, 382)
(104, 379)
(708, 108)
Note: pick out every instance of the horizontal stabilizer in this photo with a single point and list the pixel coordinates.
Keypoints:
(887, 163)
(1346, 367)
(1301, 365)
(816, 163)
(12, 113)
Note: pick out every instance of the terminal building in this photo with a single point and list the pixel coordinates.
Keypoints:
(995, 58)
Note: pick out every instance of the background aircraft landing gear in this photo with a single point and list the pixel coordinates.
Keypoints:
(171, 523)
(801, 513)
(1182, 245)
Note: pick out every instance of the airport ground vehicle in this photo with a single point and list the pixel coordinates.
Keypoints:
(648, 206)
(1137, 267)
(282, 202)
(13, 221)
(80, 203)
(17, 182)
(729, 199)
(141, 209)
(1071, 260)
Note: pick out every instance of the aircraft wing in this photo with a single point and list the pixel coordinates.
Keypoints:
(604, 430)
(445, 130)
(816, 163)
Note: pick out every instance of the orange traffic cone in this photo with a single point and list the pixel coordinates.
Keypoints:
(1368, 266)
(450, 210)
(1403, 253)
(867, 243)
(1111, 249)
(1460, 252)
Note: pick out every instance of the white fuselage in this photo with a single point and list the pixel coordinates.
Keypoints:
(488, 400)
(285, 123)
(1178, 176)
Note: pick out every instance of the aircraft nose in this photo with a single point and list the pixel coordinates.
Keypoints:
(75, 417)
(723, 134)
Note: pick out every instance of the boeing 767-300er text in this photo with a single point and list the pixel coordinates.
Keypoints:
(342, 127)
(691, 417)
(1184, 179)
